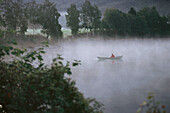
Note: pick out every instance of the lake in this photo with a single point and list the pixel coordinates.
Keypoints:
(121, 85)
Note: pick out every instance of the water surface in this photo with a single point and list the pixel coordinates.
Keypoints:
(124, 84)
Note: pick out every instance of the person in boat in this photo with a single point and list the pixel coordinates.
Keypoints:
(113, 56)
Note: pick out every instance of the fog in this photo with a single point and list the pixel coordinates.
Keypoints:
(62, 19)
(121, 85)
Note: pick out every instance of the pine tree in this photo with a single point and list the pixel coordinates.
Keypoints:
(72, 18)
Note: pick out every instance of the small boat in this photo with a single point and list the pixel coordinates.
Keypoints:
(110, 58)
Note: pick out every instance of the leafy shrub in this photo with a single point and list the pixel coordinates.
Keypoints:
(151, 106)
(1, 33)
(25, 88)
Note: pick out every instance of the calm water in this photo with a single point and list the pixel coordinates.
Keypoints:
(124, 84)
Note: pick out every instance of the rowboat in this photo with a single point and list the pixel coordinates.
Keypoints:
(110, 58)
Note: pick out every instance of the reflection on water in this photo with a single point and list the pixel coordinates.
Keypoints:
(120, 84)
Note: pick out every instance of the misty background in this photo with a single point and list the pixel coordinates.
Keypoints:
(121, 85)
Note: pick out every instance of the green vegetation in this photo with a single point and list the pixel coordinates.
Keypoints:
(146, 21)
(29, 89)
(48, 18)
(90, 16)
(114, 21)
(151, 106)
(72, 18)
(87, 18)
(15, 15)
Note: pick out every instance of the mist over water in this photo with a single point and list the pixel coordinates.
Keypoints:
(121, 85)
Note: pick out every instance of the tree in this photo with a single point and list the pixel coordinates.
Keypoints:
(115, 21)
(90, 16)
(1, 32)
(138, 26)
(96, 22)
(48, 18)
(163, 28)
(13, 15)
(21, 19)
(132, 11)
(32, 12)
(86, 15)
(168, 23)
(0, 16)
(72, 18)
(152, 18)
(8, 19)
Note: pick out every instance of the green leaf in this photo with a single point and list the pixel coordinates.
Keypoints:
(144, 103)
(55, 59)
(33, 58)
(42, 52)
(150, 97)
(75, 64)
(69, 72)
(139, 110)
(40, 58)
(41, 65)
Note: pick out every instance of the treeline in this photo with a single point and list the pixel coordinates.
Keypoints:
(145, 22)
(88, 17)
(16, 15)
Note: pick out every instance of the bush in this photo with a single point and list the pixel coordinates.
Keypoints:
(1, 33)
(151, 106)
(25, 88)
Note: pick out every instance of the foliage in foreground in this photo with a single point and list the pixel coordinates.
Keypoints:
(25, 88)
(151, 106)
